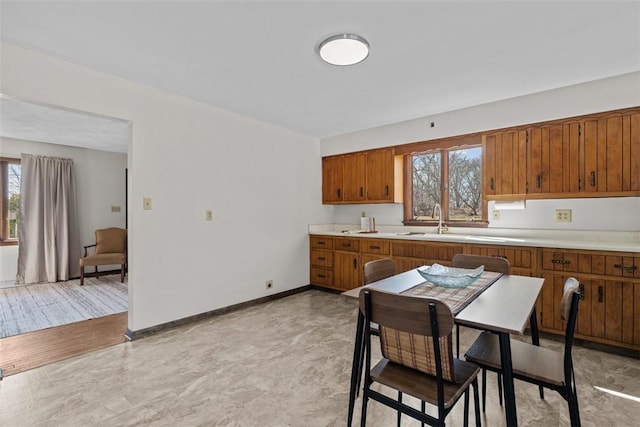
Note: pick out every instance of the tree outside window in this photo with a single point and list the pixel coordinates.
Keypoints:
(10, 180)
(450, 177)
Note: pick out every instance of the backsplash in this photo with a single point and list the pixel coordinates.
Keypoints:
(597, 214)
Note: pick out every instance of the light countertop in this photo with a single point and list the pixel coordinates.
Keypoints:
(563, 239)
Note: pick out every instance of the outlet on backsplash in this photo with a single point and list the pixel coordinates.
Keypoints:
(563, 215)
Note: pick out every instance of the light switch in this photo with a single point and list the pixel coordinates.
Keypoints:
(208, 215)
(146, 203)
(115, 209)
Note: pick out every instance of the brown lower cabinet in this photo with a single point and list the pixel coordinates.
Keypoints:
(609, 311)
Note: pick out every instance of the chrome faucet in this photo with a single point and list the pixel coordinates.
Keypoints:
(441, 227)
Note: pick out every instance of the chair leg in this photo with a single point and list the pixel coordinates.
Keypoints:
(541, 392)
(458, 341)
(500, 388)
(399, 413)
(363, 416)
(122, 273)
(484, 390)
(574, 411)
(81, 276)
(466, 408)
(476, 401)
(97, 275)
(423, 407)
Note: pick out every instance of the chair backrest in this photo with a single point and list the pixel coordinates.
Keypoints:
(569, 314)
(491, 263)
(378, 270)
(414, 331)
(111, 240)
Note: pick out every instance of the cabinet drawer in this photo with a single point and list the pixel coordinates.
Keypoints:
(622, 266)
(375, 246)
(322, 258)
(349, 245)
(321, 276)
(519, 258)
(321, 242)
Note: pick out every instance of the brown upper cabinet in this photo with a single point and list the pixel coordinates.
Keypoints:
(591, 156)
(364, 177)
(611, 161)
(505, 157)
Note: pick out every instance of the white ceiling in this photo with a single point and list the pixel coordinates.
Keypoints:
(259, 58)
(43, 123)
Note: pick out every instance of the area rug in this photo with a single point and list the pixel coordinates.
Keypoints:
(40, 306)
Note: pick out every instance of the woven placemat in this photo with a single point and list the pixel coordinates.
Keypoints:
(456, 298)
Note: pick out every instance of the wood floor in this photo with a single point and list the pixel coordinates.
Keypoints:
(20, 353)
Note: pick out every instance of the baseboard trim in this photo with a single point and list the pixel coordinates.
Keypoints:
(606, 348)
(152, 330)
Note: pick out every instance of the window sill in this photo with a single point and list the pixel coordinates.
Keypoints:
(477, 224)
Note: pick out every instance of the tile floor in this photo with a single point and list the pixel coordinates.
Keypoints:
(284, 363)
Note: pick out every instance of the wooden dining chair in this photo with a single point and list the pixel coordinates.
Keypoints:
(538, 365)
(417, 356)
(378, 269)
(491, 263)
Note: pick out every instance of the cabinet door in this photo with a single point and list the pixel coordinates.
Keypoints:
(332, 176)
(554, 158)
(611, 159)
(380, 175)
(346, 270)
(355, 166)
(506, 163)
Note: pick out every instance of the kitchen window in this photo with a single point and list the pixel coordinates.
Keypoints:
(10, 203)
(450, 177)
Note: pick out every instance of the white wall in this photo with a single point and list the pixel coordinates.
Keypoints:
(589, 214)
(100, 184)
(261, 181)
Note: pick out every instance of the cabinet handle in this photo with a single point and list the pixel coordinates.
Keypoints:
(346, 245)
(339, 194)
(355, 263)
(625, 267)
(387, 189)
(492, 184)
(322, 276)
(361, 191)
(537, 181)
(320, 242)
(581, 291)
(374, 247)
(600, 293)
(560, 261)
(321, 258)
(593, 178)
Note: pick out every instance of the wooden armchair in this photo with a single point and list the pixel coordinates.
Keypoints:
(110, 249)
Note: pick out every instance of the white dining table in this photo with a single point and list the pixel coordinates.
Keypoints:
(504, 308)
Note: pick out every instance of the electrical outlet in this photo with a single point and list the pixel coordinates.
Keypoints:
(115, 209)
(563, 215)
(496, 215)
(146, 203)
(208, 215)
(268, 284)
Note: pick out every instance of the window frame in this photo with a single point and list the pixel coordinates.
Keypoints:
(443, 147)
(4, 201)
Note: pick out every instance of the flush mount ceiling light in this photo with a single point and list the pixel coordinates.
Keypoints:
(344, 49)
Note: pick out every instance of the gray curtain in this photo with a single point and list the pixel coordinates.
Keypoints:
(49, 244)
